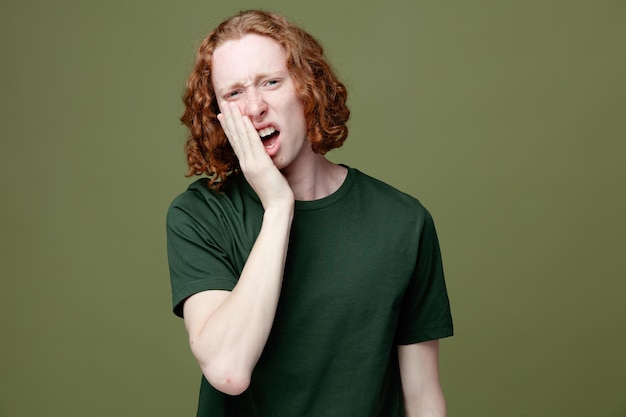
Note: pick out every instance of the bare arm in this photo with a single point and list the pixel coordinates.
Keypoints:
(228, 330)
(419, 371)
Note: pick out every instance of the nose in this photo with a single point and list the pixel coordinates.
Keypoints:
(255, 104)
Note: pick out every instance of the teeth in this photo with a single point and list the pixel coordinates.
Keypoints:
(266, 131)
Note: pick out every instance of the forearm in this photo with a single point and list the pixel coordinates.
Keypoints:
(431, 405)
(421, 387)
(229, 342)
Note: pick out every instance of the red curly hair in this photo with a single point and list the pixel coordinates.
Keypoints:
(323, 96)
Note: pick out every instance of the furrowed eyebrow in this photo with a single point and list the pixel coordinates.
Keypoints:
(239, 85)
(228, 89)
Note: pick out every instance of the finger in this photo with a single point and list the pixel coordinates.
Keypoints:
(228, 120)
(227, 131)
(253, 141)
(243, 133)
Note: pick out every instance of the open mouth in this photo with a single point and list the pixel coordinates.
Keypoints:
(268, 134)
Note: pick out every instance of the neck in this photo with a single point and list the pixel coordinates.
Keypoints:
(318, 180)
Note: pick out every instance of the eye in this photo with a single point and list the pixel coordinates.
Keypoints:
(271, 83)
(232, 94)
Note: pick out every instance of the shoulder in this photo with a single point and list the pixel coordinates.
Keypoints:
(194, 192)
(384, 195)
(198, 193)
(201, 203)
(196, 198)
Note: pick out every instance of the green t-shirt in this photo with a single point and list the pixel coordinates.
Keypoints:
(363, 274)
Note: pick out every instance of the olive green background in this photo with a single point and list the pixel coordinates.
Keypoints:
(507, 119)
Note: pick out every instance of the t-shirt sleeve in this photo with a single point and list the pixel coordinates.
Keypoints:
(197, 260)
(425, 312)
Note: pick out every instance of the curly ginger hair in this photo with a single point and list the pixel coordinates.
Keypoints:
(323, 96)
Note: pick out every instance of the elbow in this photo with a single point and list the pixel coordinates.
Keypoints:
(223, 371)
(227, 379)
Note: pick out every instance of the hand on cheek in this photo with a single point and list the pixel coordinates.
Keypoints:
(255, 163)
(239, 130)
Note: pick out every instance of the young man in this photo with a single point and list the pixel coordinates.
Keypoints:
(307, 288)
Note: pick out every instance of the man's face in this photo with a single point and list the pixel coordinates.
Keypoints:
(252, 72)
